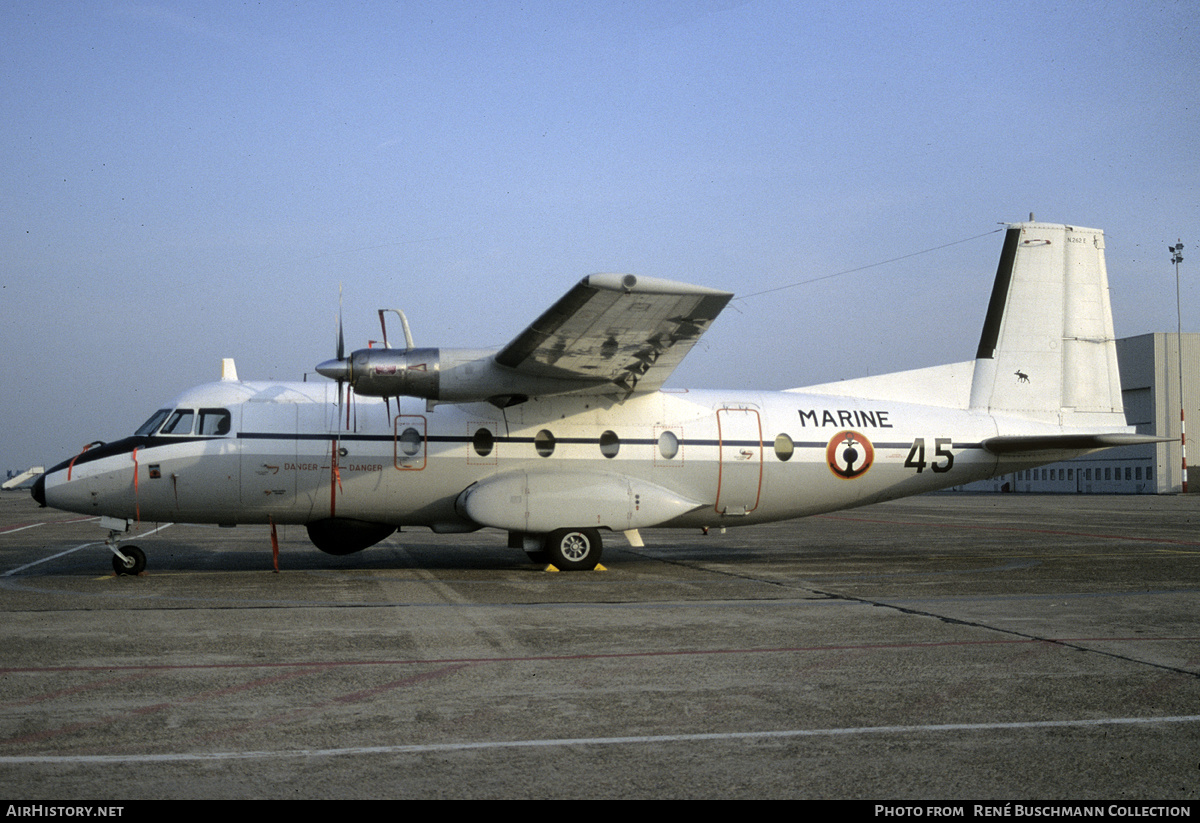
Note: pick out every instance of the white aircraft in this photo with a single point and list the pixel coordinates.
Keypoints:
(565, 432)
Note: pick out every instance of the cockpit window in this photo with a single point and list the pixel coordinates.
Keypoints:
(213, 422)
(179, 423)
(150, 426)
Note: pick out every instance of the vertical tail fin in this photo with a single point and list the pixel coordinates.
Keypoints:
(1047, 350)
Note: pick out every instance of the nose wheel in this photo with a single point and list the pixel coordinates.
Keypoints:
(134, 562)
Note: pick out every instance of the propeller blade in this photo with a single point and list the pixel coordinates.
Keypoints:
(341, 340)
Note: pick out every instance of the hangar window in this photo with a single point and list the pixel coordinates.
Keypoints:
(483, 442)
(784, 448)
(543, 441)
(213, 422)
(610, 444)
(668, 445)
(151, 426)
(179, 423)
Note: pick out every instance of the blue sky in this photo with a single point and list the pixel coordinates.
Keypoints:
(189, 181)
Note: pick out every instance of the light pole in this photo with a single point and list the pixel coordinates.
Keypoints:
(1177, 258)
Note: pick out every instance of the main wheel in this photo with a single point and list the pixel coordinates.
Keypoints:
(136, 563)
(574, 549)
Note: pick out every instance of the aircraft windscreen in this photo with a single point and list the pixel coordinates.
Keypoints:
(151, 426)
(180, 422)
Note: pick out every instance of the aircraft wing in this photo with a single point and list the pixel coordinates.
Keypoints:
(616, 330)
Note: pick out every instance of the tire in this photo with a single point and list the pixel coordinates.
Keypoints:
(137, 560)
(574, 550)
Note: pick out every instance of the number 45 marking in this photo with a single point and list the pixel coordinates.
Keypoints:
(941, 448)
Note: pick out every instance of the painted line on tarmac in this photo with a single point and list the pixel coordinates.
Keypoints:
(1022, 529)
(595, 741)
(22, 528)
(1018, 640)
(11, 572)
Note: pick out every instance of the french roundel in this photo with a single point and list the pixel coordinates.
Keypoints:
(849, 455)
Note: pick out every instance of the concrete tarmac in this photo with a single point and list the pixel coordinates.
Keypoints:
(944, 647)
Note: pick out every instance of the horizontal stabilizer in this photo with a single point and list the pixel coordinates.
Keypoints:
(25, 478)
(1032, 444)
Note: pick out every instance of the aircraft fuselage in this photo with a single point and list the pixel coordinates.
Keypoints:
(732, 458)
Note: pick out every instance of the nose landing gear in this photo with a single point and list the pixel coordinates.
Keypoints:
(129, 560)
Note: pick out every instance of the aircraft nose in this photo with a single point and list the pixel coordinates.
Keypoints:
(39, 490)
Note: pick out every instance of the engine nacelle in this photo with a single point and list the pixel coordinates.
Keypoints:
(446, 376)
(396, 372)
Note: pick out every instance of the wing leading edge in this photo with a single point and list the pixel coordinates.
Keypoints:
(618, 330)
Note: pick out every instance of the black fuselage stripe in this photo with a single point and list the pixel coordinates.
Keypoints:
(128, 444)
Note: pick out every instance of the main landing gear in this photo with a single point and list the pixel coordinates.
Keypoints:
(568, 550)
(572, 549)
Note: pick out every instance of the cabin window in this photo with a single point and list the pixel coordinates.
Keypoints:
(179, 423)
(151, 426)
(543, 441)
(610, 444)
(784, 447)
(410, 441)
(213, 422)
(483, 442)
(668, 445)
